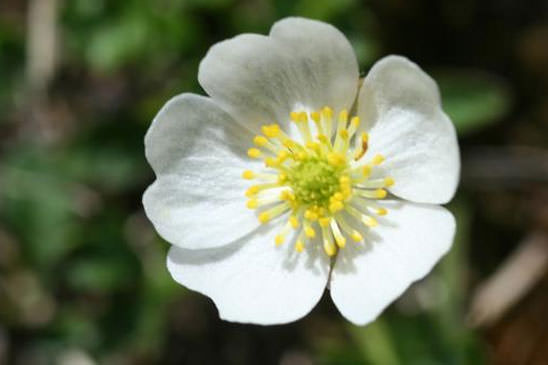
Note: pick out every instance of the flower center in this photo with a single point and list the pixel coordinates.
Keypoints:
(319, 181)
(314, 181)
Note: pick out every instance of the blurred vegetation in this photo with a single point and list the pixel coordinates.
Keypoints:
(82, 273)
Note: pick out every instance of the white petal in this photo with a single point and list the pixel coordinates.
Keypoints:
(302, 64)
(198, 154)
(400, 250)
(327, 60)
(252, 280)
(401, 106)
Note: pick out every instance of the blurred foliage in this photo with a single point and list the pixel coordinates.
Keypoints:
(473, 100)
(82, 273)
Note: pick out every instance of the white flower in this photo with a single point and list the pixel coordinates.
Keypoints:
(270, 190)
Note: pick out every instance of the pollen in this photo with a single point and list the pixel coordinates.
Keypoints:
(260, 141)
(248, 174)
(264, 217)
(254, 153)
(252, 203)
(317, 180)
(378, 159)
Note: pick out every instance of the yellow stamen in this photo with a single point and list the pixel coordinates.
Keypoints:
(310, 215)
(336, 159)
(252, 190)
(271, 131)
(271, 162)
(254, 153)
(309, 231)
(378, 159)
(356, 236)
(353, 233)
(327, 116)
(328, 245)
(336, 206)
(381, 211)
(260, 141)
(248, 174)
(369, 221)
(380, 194)
(252, 203)
(264, 217)
(339, 238)
(315, 180)
(324, 222)
(273, 212)
(364, 218)
(354, 124)
(371, 194)
(341, 126)
(294, 221)
(377, 183)
(294, 116)
(361, 149)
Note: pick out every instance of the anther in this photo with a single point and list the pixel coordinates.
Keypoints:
(381, 211)
(343, 116)
(377, 159)
(260, 141)
(310, 215)
(294, 116)
(248, 174)
(271, 162)
(361, 149)
(264, 217)
(324, 222)
(336, 159)
(356, 236)
(254, 153)
(369, 221)
(271, 131)
(252, 190)
(315, 116)
(309, 231)
(372, 194)
(252, 204)
(380, 193)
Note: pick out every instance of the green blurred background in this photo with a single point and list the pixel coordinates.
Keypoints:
(82, 272)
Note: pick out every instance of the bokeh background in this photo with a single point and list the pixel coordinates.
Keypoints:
(82, 273)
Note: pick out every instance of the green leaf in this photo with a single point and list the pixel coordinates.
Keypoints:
(100, 273)
(376, 342)
(472, 99)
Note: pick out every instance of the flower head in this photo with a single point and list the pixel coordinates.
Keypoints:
(289, 179)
